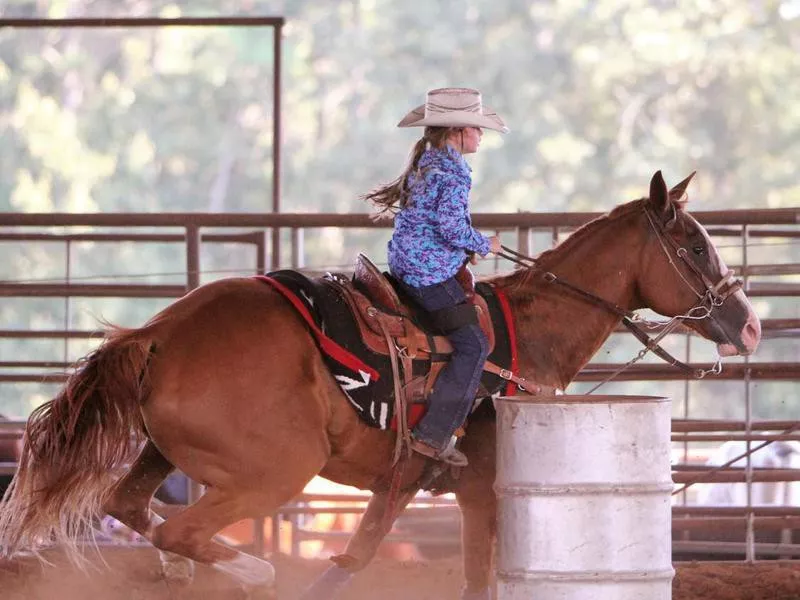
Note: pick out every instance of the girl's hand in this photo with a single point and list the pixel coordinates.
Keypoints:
(495, 247)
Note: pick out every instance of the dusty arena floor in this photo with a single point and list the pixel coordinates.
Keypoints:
(132, 574)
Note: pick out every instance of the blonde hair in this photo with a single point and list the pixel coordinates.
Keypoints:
(392, 197)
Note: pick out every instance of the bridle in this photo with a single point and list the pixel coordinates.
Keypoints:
(710, 297)
(713, 294)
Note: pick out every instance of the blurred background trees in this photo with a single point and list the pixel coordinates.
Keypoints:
(598, 94)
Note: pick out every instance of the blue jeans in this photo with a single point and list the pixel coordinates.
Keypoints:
(453, 394)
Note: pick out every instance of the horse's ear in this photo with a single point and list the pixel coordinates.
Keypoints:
(659, 197)
(678, 193)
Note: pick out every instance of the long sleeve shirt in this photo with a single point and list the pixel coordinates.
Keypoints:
(433, 232)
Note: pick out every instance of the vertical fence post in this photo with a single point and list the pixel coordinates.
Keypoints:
(192, 257)
(277, 32)
(67, 298)
(260, 241)
(524, 240)
(298, 250)
(193, 281)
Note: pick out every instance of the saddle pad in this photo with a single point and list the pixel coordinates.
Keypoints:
(364, 376)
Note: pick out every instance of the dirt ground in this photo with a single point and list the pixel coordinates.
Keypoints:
(133, 574)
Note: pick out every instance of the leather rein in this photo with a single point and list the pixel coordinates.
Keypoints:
(710, 297)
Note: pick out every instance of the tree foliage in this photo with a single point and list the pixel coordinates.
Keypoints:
(598, 94)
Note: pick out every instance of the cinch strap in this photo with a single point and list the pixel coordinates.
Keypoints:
(511, 388)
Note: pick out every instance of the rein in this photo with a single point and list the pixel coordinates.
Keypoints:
(713, 296)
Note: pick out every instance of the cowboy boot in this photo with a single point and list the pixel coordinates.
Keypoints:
(449, 454)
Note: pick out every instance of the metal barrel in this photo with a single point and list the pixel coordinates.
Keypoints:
(583, 486)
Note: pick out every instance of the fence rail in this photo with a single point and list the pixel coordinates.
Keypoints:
(694, 520)
(262, 240)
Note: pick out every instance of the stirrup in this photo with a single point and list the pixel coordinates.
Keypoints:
(449, 454)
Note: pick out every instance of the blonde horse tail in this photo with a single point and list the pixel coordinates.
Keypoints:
(74, 444)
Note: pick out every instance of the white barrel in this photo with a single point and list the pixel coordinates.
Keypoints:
(583, 485)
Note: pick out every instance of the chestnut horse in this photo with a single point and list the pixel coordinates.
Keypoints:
(227, 384)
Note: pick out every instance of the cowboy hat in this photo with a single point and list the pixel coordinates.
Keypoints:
(453, 107)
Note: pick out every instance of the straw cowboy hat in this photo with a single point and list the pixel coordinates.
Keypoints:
(454, 107)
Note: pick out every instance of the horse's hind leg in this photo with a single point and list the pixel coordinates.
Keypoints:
(130, 499)
(189, 534)
(130, 502)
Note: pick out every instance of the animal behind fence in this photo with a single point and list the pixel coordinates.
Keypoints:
(777, 455)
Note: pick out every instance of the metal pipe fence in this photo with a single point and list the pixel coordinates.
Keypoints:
(275, 23)
(69, 229)
(685, 518)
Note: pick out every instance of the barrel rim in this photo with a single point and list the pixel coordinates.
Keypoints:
(589, 575)
(589, 399)
(572, 490)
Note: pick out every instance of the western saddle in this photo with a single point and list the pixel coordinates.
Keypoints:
(389, 326)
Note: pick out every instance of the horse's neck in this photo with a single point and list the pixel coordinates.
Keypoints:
(557, 331)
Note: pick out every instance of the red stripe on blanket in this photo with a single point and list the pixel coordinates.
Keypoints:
(329, 346)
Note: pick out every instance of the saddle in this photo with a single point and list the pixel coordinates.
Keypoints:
(386, 352)
(401, 329)
(379, 289)
(388, 324)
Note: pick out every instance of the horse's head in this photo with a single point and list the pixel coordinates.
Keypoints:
(683, 274)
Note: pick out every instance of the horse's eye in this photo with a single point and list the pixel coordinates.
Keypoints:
(699, 250)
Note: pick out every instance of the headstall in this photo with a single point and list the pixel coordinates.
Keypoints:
(712, 296)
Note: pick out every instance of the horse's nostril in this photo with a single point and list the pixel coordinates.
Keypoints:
(751, 333)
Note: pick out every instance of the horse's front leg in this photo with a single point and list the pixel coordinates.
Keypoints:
(478, 504)
(478, 535)
(361, 548)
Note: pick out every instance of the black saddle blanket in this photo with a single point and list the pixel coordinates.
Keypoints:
(365, 376)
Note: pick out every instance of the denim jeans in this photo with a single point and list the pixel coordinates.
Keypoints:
(453, 394)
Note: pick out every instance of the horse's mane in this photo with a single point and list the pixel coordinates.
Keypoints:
(520, 277)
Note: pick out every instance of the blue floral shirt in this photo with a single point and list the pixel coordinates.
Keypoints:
(434, 230)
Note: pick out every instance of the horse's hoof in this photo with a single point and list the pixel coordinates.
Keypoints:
(176, 569)
(328, 586)
(484, 594)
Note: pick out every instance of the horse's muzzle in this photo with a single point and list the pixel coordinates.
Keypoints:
(748, 341)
